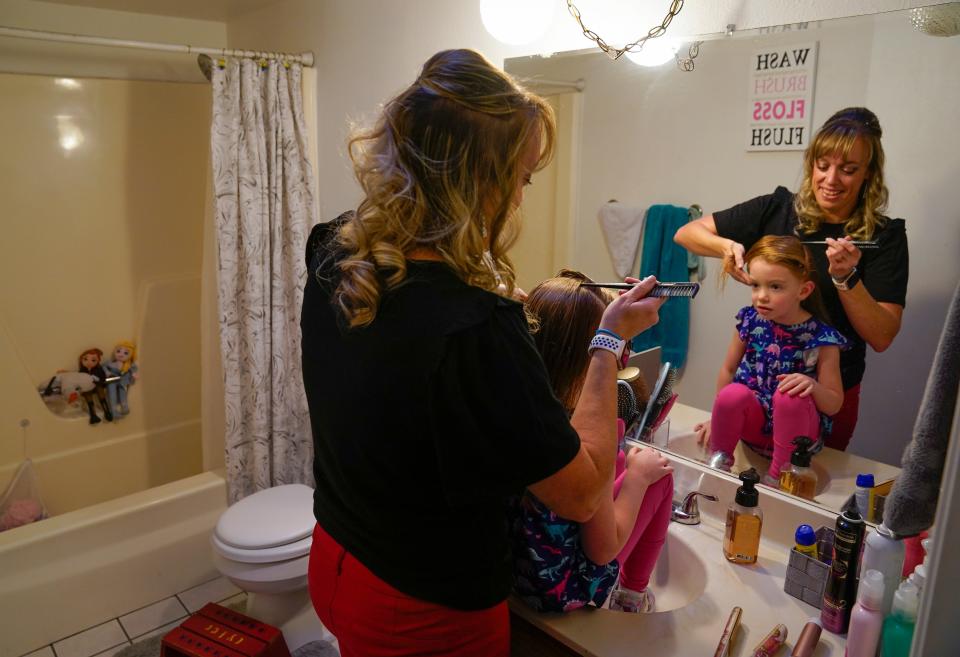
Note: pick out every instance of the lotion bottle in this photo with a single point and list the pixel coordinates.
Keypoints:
(899, 625)
(741, 539)
(866, 619)
(882, 551)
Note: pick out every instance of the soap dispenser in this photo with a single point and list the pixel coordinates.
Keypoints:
(799, 478)
(741, 539)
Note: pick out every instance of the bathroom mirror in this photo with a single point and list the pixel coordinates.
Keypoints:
(644, 136)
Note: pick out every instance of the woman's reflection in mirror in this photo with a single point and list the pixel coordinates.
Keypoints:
(842, 198)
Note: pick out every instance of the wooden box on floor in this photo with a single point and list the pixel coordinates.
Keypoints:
(216, 631)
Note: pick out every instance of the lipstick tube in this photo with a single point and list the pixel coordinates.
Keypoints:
(809, 637)
(772, 642)
(726, 639)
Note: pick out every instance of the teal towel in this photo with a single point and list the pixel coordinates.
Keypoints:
(667, 261)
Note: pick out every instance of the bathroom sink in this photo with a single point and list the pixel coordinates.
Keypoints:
(680, 576)
(743, 457)
(696, 587)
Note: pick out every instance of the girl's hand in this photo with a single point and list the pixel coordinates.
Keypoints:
(796, 384)
(702, 429)
(647, 466)
(733, 262)
(842, 257)
(633, 312)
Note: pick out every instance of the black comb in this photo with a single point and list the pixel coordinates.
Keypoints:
(857, 243)
(659, 290)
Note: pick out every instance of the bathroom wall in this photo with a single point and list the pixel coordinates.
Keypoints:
(389, 41)
(103, 188)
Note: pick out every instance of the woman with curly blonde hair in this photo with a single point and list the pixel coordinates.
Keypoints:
(841, 200)
(429, 403)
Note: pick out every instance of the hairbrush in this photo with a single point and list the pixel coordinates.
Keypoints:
(857, 243)
(657, 408)
(659, 290)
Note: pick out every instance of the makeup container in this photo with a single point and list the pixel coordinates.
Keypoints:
(806, 576)
(771, 643)
(825, 546)
(809, 637)
(726, 639)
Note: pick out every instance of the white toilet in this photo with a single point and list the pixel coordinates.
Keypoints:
(262, 544)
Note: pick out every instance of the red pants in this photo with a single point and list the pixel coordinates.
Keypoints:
(845, 421)
(370, 618)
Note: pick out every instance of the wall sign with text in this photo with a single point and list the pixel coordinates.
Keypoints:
(781, 97)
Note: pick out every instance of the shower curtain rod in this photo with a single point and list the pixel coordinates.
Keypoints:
(305, 58)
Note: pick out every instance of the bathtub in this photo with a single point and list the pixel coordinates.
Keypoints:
(75, 570)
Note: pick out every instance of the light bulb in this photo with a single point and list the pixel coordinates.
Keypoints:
(655, 52)
(516, 22)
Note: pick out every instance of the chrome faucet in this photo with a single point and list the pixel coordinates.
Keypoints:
(687, 512)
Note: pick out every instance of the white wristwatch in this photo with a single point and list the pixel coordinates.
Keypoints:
(848, 281)
(610, 341)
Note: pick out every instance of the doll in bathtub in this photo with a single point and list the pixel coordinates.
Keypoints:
(122, 373)
(90, 363)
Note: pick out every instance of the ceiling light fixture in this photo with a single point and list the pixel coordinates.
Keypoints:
(639, 51)
(517, 22)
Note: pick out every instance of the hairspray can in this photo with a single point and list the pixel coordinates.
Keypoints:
(840, 594)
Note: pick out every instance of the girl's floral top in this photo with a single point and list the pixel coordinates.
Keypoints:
(772, 349)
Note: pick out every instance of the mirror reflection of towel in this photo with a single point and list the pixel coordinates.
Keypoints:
(667, 261)
(622, 227)
(912, 504)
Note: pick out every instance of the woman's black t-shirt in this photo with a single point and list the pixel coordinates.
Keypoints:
(883, 270)
(424, 423)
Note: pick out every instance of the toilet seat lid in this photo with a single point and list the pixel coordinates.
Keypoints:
(268, 518)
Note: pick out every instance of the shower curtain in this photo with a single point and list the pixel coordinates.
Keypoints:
(264, 208)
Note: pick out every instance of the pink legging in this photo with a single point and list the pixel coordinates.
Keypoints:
(639, 556)
(737, 414)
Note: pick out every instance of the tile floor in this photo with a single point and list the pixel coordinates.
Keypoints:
(111, 637)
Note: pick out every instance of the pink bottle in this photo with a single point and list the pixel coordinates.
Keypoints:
(866, 619)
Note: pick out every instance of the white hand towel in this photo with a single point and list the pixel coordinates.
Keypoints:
(622, 228)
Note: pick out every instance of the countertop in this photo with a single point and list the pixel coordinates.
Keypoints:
(692, 567)
(836, 470)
